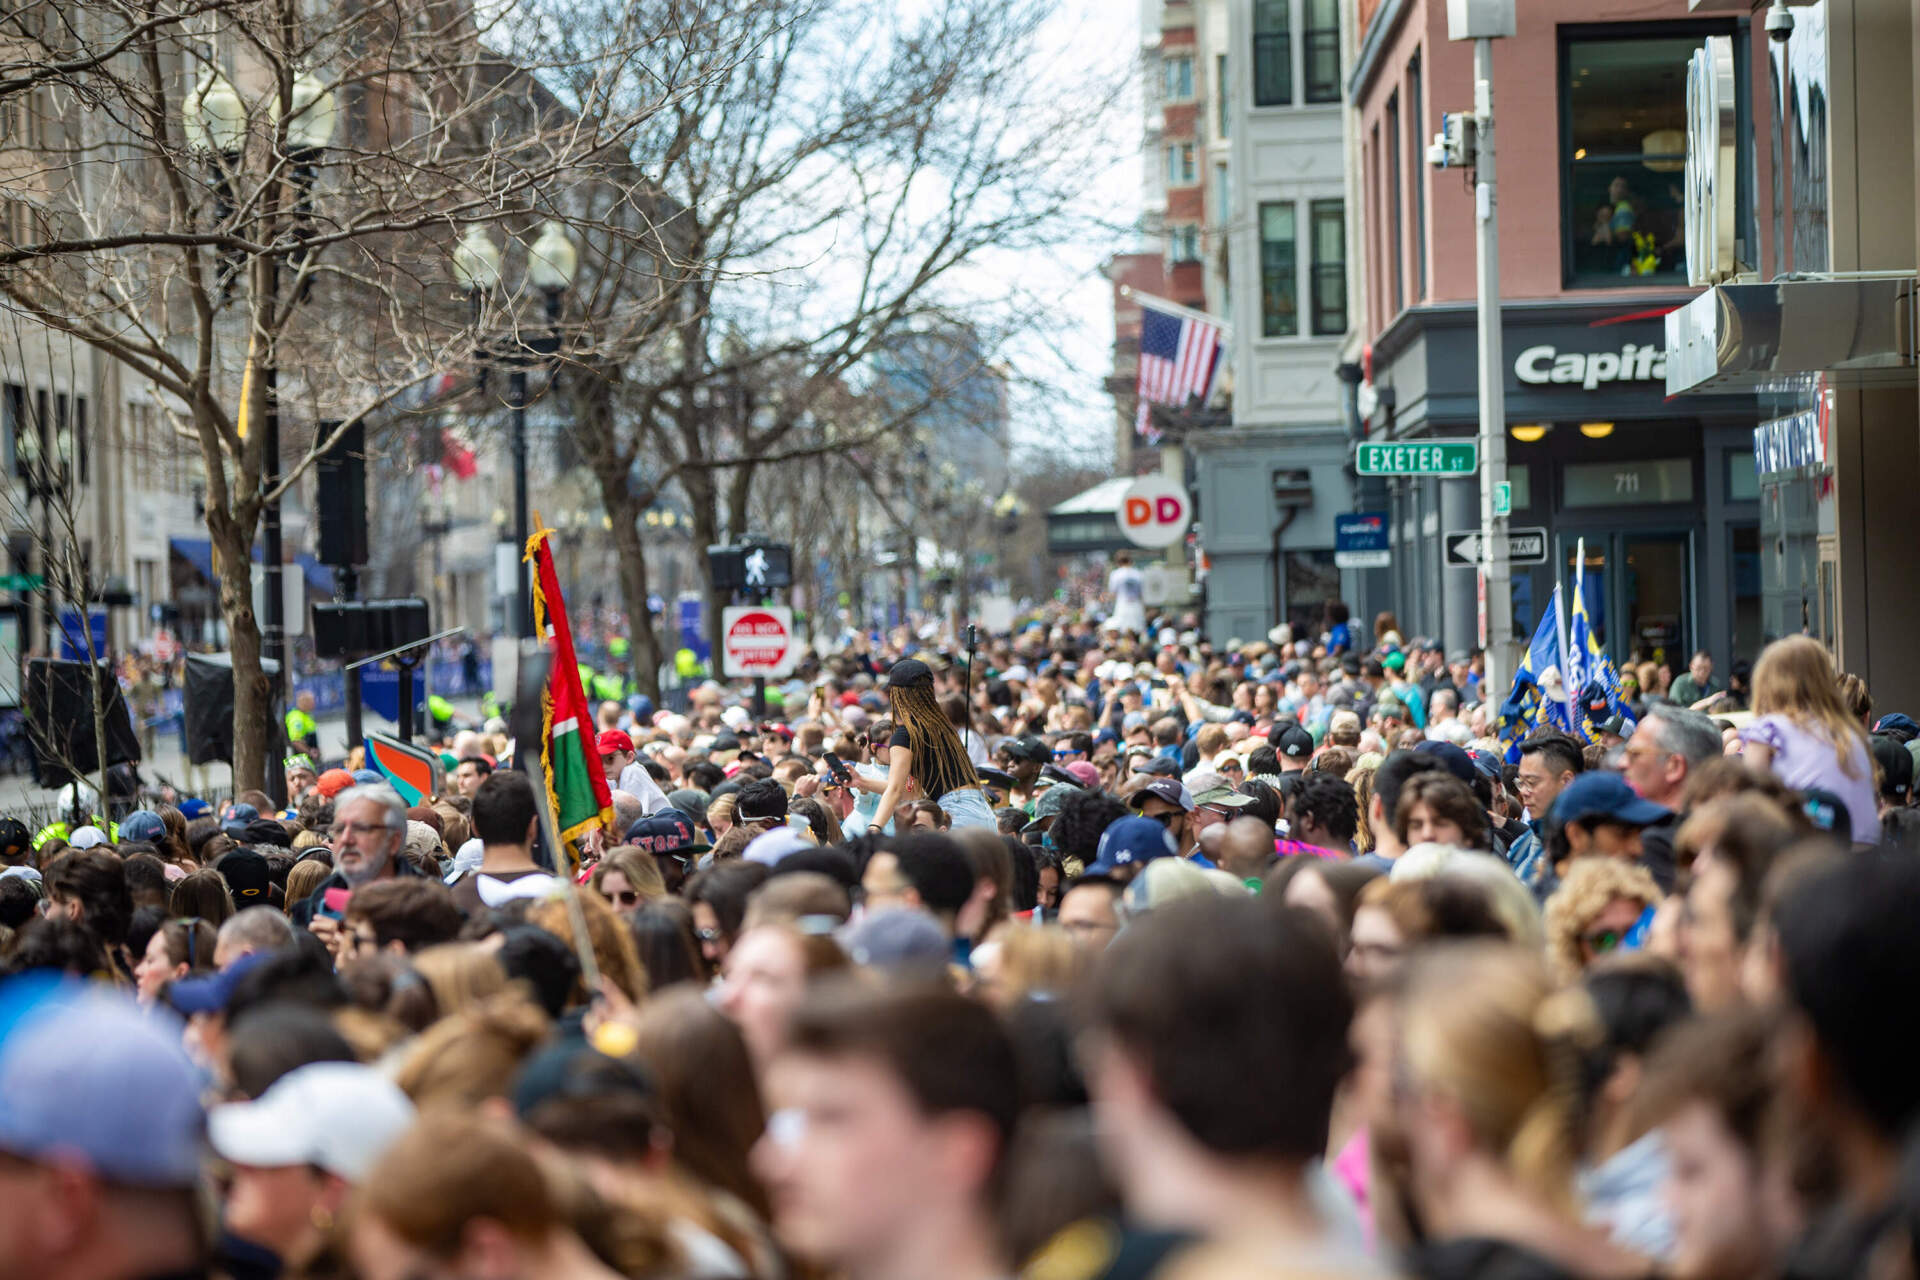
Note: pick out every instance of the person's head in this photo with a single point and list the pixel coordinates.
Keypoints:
(1323, 811)
(1737, 839)
(1392, 917)
(1849, 952)
(461, 1196)
(718, 898)
(766, 974)
(1091, 912)
(297, 1150)
(1700, 667)
(615, 749)
(1438, 808)
(179, 948)
(89, 887)
(401, 916)
(1598, 815)
(1488, 1076)
(699, 1062)
(607, 935)
(470, 773)
(251, 932)
(1668, 742)
(1596, 906)
(1795, 678)
(1708, 1085)
(664, 938)
(100, 1140)
(1171, 1033)
(369, 828)
(1245, 848)
(892, 1112)
(627, 877)
(925, 870)
(504, 812)
(1328, 887)
(469, 1057)
(1388, 779)
(1548, 762)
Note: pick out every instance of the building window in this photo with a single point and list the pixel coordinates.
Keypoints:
(1272, 53)
(13, 405)
(1183, 243)
(1396, 233)
(82, 447)
(1279, 272)
(1417, 147)
(1181, 170)
(1222, 100)
(1179, 78)
(1329, 222)
(1222, 196)
(1323, 50)
(1625, 108)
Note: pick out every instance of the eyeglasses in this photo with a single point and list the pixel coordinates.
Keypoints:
(342, 830)
(1164, 819)
(624, 898)
(707, 935)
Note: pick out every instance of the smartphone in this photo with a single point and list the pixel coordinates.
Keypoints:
(838, 768)
(334, 904)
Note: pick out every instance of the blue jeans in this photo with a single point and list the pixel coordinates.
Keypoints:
(968, 808)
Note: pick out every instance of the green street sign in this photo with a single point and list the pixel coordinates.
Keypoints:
(1503, 498)
(1418, 458)
(22, 582)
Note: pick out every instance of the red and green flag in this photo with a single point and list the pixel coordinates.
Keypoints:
(576, 784)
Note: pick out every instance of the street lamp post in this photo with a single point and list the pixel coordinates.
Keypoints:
(214, 118)
(551, 263)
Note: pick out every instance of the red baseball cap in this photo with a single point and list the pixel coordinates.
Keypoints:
(613, 740)
(333, 782)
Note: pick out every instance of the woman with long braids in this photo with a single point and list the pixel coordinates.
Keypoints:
(925, 752)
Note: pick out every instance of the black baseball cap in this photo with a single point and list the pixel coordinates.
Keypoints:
(1290, 739)
(1028, 748)
(245, 872)
(15, 839)
(909, 673)
(1896, 768)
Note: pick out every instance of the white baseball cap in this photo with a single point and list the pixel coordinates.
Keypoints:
(341, 1116)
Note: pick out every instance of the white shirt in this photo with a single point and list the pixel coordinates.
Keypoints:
(638, 783)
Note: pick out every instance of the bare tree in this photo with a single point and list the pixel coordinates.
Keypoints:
(249, 206)
(836, 176)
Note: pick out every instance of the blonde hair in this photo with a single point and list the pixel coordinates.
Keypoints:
(302, 879)
(1795, 678)
(1039, 960)
(1361, 780)
(721, 807)
(461, 975)
(464, 1060)
(614, 950)
(1590, 885)
(1483, 1025)
(639, 868)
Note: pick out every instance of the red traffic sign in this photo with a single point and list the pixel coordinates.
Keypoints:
(757, 640)
(1154, 512)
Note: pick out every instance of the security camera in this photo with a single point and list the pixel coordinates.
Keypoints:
(1779, 22)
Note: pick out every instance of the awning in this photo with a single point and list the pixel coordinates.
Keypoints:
(319, 576)
(197, 552)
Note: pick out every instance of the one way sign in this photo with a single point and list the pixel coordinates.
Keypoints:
(1524, 546)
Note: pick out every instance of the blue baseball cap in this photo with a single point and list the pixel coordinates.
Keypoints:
(368, 777)
(92, 1079)
(210, 994)
(1454, 758)
(194, 807)
(1131, 842)
(668, 831)
(142, 824)
(1604, 795)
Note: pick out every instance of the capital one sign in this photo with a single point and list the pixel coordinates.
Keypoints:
(1154, 512)
(1546, 364)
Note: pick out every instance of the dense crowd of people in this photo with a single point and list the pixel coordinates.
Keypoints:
(1102, 954)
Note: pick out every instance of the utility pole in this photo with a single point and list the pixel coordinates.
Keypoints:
(1483, 22)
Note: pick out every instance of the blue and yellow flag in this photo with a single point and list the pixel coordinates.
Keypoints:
(1538, 695)
(1589, 667)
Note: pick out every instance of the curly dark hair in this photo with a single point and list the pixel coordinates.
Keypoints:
(1329, 801)
(1082, 818)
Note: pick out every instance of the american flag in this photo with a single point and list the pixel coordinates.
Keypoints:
(1178, 355)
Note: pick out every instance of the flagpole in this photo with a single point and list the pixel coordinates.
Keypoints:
(1185, 313)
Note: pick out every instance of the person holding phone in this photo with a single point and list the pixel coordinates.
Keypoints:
(925, 754)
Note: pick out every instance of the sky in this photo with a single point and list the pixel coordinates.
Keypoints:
(1070, 411)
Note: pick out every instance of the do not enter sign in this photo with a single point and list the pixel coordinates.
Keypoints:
(1154, 512)
(757, 640)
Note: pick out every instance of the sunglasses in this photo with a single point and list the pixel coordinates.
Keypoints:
(1602, 941)
(624, 898)
(1164, 819)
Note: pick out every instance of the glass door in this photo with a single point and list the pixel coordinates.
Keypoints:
(1656, 585)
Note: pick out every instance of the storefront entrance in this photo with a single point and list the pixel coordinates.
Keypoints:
(1639, 590)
